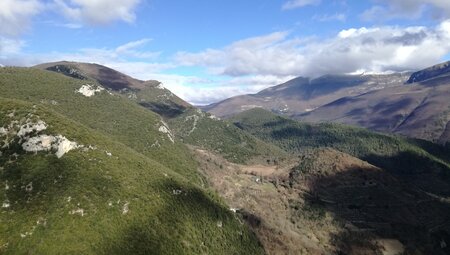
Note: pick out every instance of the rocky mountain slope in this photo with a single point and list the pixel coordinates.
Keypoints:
(418, 109)
(302, 95)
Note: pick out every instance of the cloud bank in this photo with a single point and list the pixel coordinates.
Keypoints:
(377, 49)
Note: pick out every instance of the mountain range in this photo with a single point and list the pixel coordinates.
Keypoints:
(93, 161)
(410, 104)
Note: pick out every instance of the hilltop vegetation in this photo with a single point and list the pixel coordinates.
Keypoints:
(207, 131)
(108, 112)
(376, 148)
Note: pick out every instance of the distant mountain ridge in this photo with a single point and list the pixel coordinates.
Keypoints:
(419, 109)
(412, 104)
(304, 94)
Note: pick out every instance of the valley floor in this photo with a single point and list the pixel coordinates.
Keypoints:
(309, 214)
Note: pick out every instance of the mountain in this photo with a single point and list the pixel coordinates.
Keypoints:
(303, 94)
(418, 109)
(85, 169)
(150, 94)
(373, 193)
(413, 105)
(189, 124)
(93, 168)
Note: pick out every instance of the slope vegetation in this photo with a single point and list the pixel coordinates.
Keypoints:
(385, 151)
(85, 170)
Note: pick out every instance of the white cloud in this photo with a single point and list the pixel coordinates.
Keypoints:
(267, 55)
(122, 52)
(98, 12)
(9, 47)
(198, 91)
(333, 17)
(15, 15)
(70, 25)
(371, 49)
(293, 4)
(407, 9)
(127, 56)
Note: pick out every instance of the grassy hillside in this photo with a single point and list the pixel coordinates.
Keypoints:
(105, 111)
(399, 155)
(101, 197)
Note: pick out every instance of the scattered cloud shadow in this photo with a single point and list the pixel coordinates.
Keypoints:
(171, 110)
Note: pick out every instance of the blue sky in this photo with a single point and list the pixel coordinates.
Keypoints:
(206, 50)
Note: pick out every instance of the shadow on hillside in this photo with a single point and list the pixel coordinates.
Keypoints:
(190, 222)
(166, 110)
(67, 71)
(376, 205)
(368, 146)
(330, 84)
(407, 163)
(417, 170)
(111, 78)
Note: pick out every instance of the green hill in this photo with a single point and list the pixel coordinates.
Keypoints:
(206, 131)
(401, 196)
(150, 94)
(100, 174)
(105, 111)
(394, 153)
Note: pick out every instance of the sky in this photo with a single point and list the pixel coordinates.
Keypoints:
(209, 50)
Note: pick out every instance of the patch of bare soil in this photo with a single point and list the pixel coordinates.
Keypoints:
(391, 246)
